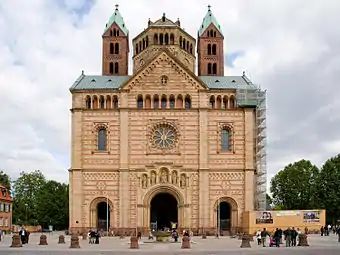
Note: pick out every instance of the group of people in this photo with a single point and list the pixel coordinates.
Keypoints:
(93, 237)
(24, 236)
(290, 236)
(329, 229)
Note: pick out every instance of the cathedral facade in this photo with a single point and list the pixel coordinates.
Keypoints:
(164, 145)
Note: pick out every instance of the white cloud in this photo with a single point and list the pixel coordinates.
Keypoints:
(290, 48)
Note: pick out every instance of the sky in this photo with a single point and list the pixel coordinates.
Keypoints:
(289, 47)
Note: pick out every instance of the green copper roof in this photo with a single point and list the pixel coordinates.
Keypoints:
(118, 19)
(207, 20)
(101, 82)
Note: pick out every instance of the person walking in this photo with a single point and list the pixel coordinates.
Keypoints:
(277, 237)
(288, 236)
(264, 235)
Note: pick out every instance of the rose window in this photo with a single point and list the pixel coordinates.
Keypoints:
(164, 136)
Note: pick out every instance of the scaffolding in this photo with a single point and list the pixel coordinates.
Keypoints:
(253, 96)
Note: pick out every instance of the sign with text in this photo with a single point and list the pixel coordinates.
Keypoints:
(287, 213)
(264, 218)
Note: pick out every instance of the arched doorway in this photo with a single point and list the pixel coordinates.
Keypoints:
(163, 211)
(103, 216)
(223, 216)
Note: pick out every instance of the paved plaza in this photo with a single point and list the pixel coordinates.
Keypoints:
(211, 246)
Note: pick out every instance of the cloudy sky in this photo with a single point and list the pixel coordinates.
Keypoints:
(289, 47)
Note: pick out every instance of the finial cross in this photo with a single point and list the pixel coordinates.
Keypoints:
(209, 6)
(117, 6)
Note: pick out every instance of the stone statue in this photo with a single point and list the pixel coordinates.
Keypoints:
(144, 181)
(174, 177)
(153, 178)
(164, 177)
(183, 181)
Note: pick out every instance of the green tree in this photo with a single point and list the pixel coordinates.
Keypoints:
(26, 188)
(269, 200)
(5, 180)
(52, 202)
(294, 186)
(327, 188)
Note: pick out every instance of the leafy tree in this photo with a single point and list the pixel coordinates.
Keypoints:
(327, 188)
(26, 189)
(5, 181)
(269, 200)
(294, 186)
(52, 201)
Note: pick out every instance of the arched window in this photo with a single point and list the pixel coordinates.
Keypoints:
(225, 102)
(209, 49)
(95, 102)
(212, 102)
(144, 44)
(140, 102)
(218, 102)
(108, 102)
(164, 102)
(214, 68)
(187, 48)
(147, 42)
(232, 102)
(191, 49)
(161, 39)
(172, 102)
(187, 101)
(111, 34)
(155, 39)
(115, 102)
(111, 68)
(180, 41)
(117, 32)
(114, 32)
(179, 102)
(209, 68)
(184, 43)
(102, 140)
(140, 46)
(88, 102)
(111, 48)
(116, 67)
(172, 39)
(214, 49)
(155, 101)
(137, 51)
(117, 48)
(148, 101)
(214, 34)
(101, 102)
(166, 39)
(225, 139)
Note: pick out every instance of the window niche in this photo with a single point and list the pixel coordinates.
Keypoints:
(225, 138)
(101, 137)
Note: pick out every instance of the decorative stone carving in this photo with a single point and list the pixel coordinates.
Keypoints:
(101, 185)
(174, 177)
(164, 176)
(183, 181)
(144, 181)
(153, 178)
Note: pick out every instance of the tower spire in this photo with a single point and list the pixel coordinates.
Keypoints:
(117, 5)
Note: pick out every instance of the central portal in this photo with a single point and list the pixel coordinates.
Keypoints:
(163, 211)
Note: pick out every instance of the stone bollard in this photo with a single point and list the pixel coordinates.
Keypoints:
(61, 239)
(185, 242)
(84, 235)
(303, 240)
(204, 236)
(16, 242)
(134, 242)
(74, 241)
(43, 240)
(245, 241)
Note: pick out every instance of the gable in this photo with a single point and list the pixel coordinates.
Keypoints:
(213, 27)
(164, 65)
(107, 33)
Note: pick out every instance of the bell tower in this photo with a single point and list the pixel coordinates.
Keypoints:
(210, 47)
(115, 46)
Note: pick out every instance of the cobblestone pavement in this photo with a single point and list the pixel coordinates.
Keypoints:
(211, 246)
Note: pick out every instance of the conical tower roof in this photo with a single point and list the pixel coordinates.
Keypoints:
(207, 20)
(117, 18)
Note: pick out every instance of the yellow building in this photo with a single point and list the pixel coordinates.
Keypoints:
(165, 144)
